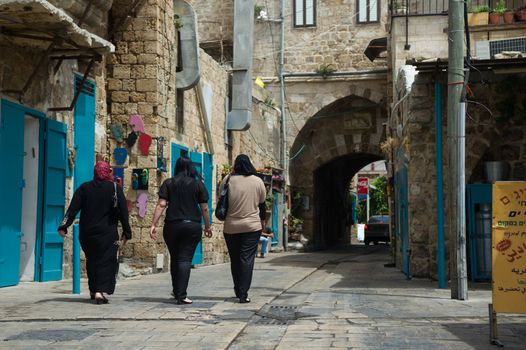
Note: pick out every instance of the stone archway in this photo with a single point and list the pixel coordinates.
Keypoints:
(336, 142)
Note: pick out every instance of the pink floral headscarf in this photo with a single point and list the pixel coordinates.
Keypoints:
(103, 171)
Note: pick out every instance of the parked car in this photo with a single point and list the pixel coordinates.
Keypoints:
(377, 229)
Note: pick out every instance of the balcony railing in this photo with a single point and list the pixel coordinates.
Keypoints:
(439, 7)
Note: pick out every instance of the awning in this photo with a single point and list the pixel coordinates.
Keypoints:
(375, 48)
(35, 22)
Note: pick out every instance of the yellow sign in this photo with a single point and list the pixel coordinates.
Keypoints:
(509, 247)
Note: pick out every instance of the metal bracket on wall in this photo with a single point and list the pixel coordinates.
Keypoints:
(79, 90)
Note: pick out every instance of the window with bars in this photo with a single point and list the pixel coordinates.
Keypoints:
(305, 13)
(368, 11)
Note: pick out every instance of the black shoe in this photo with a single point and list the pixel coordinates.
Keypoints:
(100, 301)
(244, 300)
(91, 295)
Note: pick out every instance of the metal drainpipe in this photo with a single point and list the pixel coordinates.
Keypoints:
(440, 187)
(336, 74)
(284, 163)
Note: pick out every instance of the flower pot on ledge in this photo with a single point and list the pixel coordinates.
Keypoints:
(508, 17)
(494, 18)
(520, 14)
(478, 19)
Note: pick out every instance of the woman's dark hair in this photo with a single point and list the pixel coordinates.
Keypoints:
(185, 166)
(243, 166)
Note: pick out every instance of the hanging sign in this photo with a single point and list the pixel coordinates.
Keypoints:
(509, 247)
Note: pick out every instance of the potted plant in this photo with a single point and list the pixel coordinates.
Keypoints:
(496, 14)
(520, 13)
(478, 15)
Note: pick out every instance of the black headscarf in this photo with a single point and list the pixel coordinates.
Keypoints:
(243, 166)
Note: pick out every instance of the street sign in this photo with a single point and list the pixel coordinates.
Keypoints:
(363, 187)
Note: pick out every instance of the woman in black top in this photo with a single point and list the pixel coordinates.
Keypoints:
(98, 228)
(183, 194)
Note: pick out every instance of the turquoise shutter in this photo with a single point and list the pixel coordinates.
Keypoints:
(11, 178)
(208, 171)
(54, 197)
(197, 159)
(84, 139)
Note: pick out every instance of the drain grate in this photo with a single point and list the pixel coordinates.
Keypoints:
(57, 335)
(270, 321)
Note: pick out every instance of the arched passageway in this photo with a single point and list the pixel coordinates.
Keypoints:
(333, 145)
(332, 216)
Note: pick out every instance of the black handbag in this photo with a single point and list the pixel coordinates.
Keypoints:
(222, 203)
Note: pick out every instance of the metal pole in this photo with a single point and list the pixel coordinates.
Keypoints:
(284, 160)
(456, 149)
(368, 190)
(76, 260)
(440, 188)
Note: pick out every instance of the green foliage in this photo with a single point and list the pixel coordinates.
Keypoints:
(258, 9)
(500, 8)
(379, 196)
(269, 101)
(478, 9)
(325, 70)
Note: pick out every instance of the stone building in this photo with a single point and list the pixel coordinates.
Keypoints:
(122, 59)
(495, 129)
(334, 104)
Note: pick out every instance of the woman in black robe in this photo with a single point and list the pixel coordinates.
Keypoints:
(98, 228)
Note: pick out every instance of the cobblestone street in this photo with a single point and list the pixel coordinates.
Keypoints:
(340, 299)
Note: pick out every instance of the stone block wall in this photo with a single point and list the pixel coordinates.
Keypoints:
(337, 39)
(216, 19)
(141, 81)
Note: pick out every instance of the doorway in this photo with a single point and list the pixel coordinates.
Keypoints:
(30, 198)
(32, 202)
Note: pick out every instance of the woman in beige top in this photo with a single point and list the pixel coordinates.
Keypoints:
(244, 222)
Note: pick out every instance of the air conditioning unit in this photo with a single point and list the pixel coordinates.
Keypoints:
(487, 49)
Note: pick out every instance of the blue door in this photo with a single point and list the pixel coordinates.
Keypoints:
(11, 180)
(84, 139)
(55, 162)
(275, 218)
(197, 159)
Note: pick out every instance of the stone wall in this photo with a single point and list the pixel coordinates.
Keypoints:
(336, 40)
(142, 81)
(216, 20)
(495, 133)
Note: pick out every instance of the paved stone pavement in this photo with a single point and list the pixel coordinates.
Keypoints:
(342, 299)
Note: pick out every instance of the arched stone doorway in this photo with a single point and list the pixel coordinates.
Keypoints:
(333, 145)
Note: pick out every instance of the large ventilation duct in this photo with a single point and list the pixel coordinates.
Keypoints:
(188, 77)
(239, 117)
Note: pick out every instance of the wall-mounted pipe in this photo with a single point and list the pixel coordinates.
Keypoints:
(241, 113)
(205, 117)
(188, 77)
(441, 255)
(336, 74)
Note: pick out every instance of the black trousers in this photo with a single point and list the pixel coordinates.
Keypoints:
(242, 248)
(181, 238)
